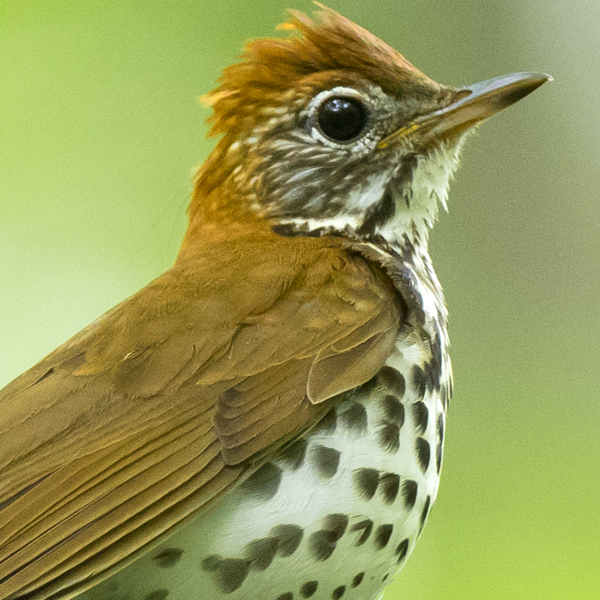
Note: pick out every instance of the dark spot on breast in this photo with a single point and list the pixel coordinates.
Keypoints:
(338, 592)
(420, 416)
(440, 428)
(365, 527)
(157, 595)
(436, 356)
(402, 550)
(328, 423)
(366, 482)
(211, 563)
(354, 417)
(432, 376)
(389, 436)
(367, 388)
(169, 557)
(263, 483)
(392, 381)
(228, 573)
(326, 461)
(293, 455)
(336, 523)
(438, 458)
(424, 513)
(444, 397)
(261, 552)
(393, 410)
(232, 573)
(289, 537)
(308, 589)
(322, 543)
(429, 376)
(409, 493)
(382, 536)
(358, 579)
(418, 381)
(389, 485)
(423, 453)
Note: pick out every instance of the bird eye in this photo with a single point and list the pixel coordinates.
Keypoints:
(342, 119)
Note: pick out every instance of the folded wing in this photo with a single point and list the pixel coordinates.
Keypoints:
(172, 398)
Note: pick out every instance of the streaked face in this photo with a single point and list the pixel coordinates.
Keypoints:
(319, 166)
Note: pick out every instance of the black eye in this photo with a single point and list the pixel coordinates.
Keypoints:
(342, 119)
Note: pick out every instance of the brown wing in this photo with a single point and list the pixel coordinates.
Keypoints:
(162, 405)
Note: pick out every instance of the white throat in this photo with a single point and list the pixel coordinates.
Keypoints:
(415, 205)
(417, 211)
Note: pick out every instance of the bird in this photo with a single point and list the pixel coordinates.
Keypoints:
(265, 420)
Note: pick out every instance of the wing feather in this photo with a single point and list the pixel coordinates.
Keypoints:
(158, 408)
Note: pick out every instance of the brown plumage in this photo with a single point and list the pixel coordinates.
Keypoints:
(278, 74)
(177, 395)
(272, 68)
(172, 396)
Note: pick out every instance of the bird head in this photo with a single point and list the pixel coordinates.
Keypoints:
(330, 131)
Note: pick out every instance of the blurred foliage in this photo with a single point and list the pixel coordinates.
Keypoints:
(99, 132)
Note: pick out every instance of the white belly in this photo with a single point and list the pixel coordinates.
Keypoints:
(335, 515)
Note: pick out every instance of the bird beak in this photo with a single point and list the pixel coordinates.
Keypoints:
(469, 106)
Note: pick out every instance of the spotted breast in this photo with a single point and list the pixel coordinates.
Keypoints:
(338, 511)
(245, 427)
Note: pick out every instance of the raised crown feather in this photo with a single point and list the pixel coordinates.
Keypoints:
(271, 67)
(274, 77)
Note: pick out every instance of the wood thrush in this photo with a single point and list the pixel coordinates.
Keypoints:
(265, 420)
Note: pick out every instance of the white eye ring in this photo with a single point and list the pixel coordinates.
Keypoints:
(310, 114)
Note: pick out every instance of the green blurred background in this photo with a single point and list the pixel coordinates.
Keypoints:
(100, 129)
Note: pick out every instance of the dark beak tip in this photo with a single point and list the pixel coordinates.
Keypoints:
(526, 80)
(532, 81)
(519, 92)
(523, 86)
(535, 76)
(471, 105)
(543, 77)
(503, 91)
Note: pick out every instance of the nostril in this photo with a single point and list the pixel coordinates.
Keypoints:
(460, 94)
